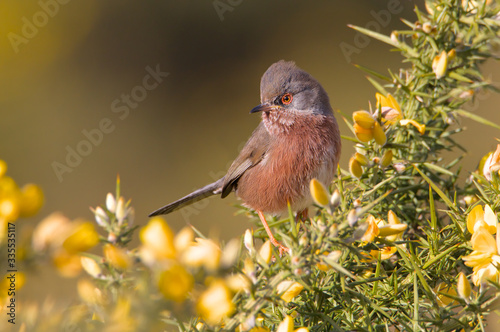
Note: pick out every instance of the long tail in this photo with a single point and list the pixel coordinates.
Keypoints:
(195, 196)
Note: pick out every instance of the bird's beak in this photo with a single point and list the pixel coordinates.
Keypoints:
(266, 107)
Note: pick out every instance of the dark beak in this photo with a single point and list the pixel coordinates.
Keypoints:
(263, 108)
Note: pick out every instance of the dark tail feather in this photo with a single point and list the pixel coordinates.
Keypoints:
(195, 196)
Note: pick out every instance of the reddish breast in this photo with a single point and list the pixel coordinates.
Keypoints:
(310, 148)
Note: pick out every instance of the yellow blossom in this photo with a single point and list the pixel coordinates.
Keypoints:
(479, 217)
(3, 168)
(91, 267)
(371, 231)
(31, 200)
(265, 252)
(289, 289)
(379, 134)
(238, 282)
(361, 159)
(420, 127)
(158, 239)
(391, 111)
(83, 237)
(175, 283)
(183, 239)
(203, 252)
(51, 232)
(215, 303)
(386, 159)
(363, 134)
(490, 163)
(485, 256)
(364, 119)
(67, 264)
(463, 287)
(286, 325)
(116, 256)
(440, 64)
(319, 193)
(355, 168)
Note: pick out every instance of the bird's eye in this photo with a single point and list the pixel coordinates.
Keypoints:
(286, 98)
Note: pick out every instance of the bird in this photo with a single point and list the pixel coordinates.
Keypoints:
(297, 139)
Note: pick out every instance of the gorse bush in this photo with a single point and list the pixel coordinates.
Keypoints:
(397, 242)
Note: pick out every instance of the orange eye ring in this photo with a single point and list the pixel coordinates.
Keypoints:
(286, 99)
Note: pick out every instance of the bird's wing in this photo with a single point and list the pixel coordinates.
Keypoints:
(251, 154)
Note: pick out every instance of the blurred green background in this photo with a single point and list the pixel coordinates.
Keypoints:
(65, 71)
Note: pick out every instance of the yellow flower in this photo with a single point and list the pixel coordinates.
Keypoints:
(31, 200)
(203, 252)
(157, 239)
(286, 325)
(391, 111)
(477, 218)
(265, 252)
(379, 134)
(175, 283)
(51, 232)
(3, 168)
(371, 231)
(289, 289)
(386, 159)
(183, 239)
(83, 237)
(361, 159)
(363, 134)
(485, 257)
(420, 127)
(440, 64)
(385, 253)
(67, 264)
(215, 303)
(319, 193)
(363, 119)
(355, 168)
(463, 287)
(91, 267)
(116, 256)
(491, 163)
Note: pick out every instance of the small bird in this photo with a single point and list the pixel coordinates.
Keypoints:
(297, 140)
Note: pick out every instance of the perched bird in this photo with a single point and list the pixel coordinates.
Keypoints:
(297, 140)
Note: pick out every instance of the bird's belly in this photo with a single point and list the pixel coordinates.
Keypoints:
(284, 176)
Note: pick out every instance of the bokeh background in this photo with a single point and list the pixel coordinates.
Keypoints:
(67, 74)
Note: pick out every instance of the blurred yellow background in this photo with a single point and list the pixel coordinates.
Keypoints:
(74, 77)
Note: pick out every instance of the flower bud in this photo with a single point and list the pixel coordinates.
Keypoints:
(248, 241)
(91, 267)
(463, 287)
(427, 27)
(440, 64)
(452, 54)
(335, 199)
(101, 217)
(110, 203)
(265, 252)
(386, 158)
(355, 168)
(319, 193)
(361, 158)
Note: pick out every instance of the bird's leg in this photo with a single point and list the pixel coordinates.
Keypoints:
(273, 240)
(302, 215)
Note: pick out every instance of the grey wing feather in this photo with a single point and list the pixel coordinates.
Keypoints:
(251, 154)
